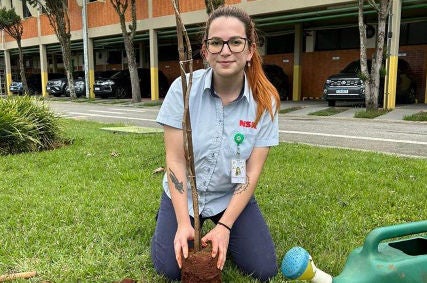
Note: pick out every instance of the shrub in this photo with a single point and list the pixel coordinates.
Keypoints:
(27, 124)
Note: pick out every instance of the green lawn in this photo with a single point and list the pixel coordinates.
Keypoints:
(85, 212)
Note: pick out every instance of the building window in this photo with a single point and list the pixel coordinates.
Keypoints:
(280, 44)
(25, 11)
(334, 39)
(413, 33)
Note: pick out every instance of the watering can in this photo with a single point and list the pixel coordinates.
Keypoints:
(400, 261)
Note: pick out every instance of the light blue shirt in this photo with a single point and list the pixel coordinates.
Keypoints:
(213, 129)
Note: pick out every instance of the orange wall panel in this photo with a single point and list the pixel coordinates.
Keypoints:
(75, 14)
(30, 28)
(103, 13)
(8, 38)
(231, 2)
(46, 28)
(164, 7)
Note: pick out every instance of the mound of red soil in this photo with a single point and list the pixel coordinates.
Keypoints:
(200, 267)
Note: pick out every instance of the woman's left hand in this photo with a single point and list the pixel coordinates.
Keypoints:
(219, 238)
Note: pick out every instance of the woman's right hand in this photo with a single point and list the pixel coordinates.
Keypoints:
(180, 243)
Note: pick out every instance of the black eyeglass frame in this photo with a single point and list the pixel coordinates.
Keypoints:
(224, 42)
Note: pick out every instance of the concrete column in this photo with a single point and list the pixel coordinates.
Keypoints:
(44, 68)
(392, 60)
(296, 93)
(91, 67)
(150, 9)
(154, 65)
(8, 71)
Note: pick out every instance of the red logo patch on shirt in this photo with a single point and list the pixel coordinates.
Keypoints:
(247, 124)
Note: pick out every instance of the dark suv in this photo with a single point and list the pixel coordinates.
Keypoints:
(278, 78)
(119, 84)
(58, 85)
(348, 86)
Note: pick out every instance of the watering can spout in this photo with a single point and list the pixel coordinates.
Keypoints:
(298, 265)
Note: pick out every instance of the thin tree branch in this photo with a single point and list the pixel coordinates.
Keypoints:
(186, 59)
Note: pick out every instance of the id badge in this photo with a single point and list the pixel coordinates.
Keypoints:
(238, 171)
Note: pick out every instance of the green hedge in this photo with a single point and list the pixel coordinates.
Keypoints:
(27, 124)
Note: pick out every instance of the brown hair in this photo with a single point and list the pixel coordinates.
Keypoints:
(263, 91)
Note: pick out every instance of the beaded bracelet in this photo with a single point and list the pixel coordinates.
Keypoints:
(222, 224)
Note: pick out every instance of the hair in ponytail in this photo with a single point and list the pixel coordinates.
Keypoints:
(263, 91)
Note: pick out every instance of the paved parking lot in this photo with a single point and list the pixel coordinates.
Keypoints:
(310, 106)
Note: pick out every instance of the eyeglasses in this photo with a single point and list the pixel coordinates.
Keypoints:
(235, 44)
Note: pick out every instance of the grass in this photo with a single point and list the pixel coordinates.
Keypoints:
(290, 109)
(370, 114)
(328, 111)
(86, 212)
(420, 116)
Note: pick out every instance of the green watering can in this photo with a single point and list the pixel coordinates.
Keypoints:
(401, 261)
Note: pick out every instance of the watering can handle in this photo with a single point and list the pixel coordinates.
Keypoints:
(382, 233)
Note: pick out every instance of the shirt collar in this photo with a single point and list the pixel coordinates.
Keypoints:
(209, 85)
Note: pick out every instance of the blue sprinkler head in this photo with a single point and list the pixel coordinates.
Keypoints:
(295, 262)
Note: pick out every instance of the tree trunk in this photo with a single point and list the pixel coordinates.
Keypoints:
(372, 78)
(121, 8)
(66, 55)
(132, 66)
(22, 69)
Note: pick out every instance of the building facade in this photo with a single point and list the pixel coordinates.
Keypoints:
(309, 40)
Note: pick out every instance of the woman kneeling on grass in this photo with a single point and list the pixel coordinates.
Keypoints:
(233, 109)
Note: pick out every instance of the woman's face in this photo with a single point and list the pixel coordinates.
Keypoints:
(227, 63)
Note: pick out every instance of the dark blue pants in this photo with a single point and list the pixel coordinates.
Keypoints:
(251, 246)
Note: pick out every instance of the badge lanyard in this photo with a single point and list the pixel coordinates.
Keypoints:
(238, 165)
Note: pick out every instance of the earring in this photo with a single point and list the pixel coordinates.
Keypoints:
(249, 63)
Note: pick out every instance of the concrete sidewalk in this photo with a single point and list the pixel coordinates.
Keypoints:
(310, 106)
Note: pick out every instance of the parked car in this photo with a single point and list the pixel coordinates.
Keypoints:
(348, 86)
(278, 78)
(57, 85)
(34, 82)
(79, 82)
(119, 84)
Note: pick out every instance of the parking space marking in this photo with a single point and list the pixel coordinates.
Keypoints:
(109, 112)
(129, 110)
(353, 137)
(110, 116)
